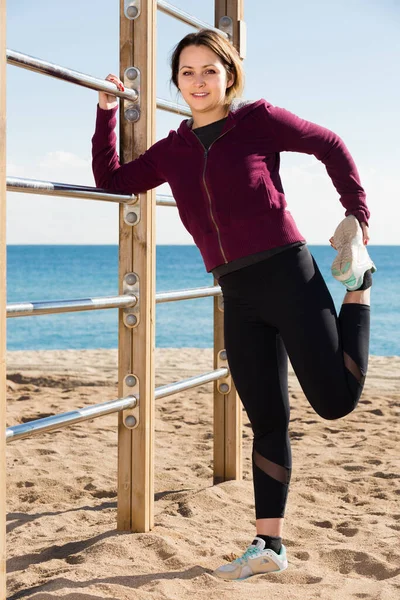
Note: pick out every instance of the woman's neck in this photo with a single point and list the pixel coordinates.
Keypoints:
(203, 119)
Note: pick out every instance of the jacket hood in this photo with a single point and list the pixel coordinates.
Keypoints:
(238, 109)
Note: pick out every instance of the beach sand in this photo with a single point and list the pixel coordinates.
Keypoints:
(342, 529)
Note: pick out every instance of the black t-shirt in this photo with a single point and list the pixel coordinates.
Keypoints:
(209, 133)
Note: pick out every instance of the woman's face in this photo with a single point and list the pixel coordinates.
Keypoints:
(202, 79)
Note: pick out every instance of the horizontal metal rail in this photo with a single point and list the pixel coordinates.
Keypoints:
(185, 17)
(173, 107)
(101, 85)
(52, 70)
(30, 309)
(186, 384)
(172, 296)
(51, 188)
(51, 307)
(17, 432)
(165, 200)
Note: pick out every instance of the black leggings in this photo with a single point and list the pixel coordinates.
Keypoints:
(277, 308)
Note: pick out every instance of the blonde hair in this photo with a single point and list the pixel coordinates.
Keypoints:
(223, 49)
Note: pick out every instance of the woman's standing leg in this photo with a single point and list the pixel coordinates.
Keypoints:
(258, 364)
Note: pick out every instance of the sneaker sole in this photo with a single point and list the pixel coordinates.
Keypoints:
(346, 230)
(266, 573)
(347, 238)
(283, 566)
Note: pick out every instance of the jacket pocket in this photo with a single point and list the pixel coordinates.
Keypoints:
(266, 186)
(275, 198)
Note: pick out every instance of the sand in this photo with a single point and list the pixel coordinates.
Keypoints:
(342, 529)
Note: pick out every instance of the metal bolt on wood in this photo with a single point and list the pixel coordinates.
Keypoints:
(131, 217)
(130, 421)
(132, 73)
(224, 383)
(131, 278)
(132, 213)
(132, 9)
(131, 80)
(132, 115)
(130, 380)
(226, 25)
(131, 314)
(131, 320)
(130, 416)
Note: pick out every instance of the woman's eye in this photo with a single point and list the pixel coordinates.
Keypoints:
(190, 72)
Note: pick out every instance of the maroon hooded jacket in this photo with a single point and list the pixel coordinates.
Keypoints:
(230, 198)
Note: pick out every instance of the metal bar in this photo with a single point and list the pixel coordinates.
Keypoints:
(165, 200)
(52, 70)
(188, 294)
(52, 188)
(17, 432)
(29, 309)
(173, 107)
(185, 17)
(185, 384)
(51, 307)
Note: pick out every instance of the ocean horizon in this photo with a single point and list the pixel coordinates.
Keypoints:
(55, 272)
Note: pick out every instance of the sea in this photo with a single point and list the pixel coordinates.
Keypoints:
(38, 273)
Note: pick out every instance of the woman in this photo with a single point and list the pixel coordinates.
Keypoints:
(223, 169)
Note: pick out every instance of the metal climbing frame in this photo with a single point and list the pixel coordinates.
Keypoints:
(137, 298)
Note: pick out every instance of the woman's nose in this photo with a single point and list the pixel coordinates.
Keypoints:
(199, 80)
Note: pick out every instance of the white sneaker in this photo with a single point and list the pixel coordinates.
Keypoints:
(352, 260)
(254, 561)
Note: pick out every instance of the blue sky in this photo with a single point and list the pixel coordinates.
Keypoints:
(334, 63)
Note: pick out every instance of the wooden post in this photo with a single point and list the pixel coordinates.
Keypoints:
(3, 300)
(227, 407)
(137, 255)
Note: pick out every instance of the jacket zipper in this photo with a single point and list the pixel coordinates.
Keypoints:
(209, 201)
(208, 193)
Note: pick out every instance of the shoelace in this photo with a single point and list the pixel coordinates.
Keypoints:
(250, 552)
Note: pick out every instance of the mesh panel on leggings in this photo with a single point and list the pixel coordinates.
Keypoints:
(352, 366)
(275, 471)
